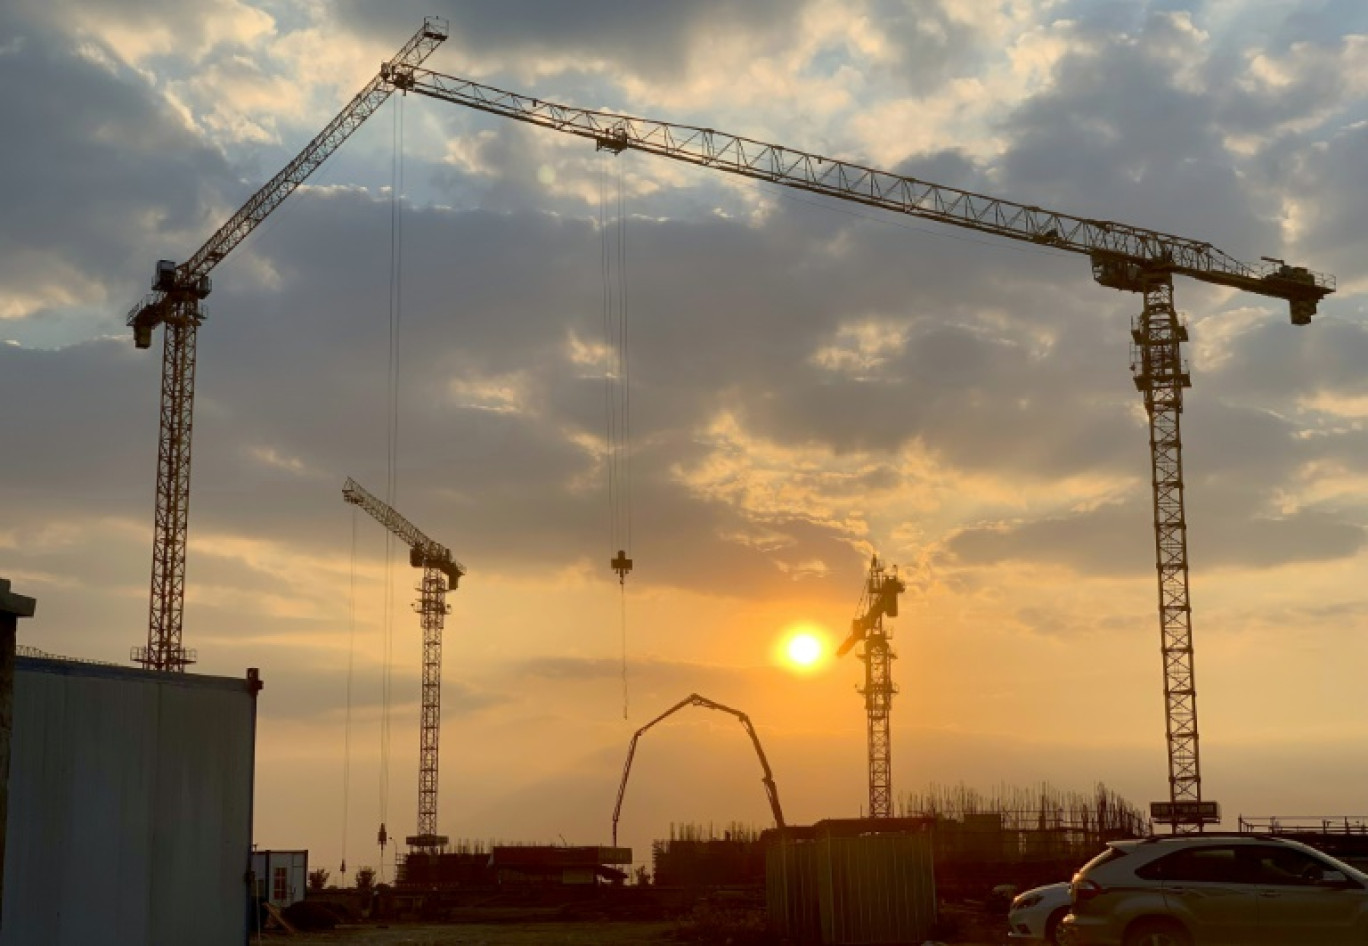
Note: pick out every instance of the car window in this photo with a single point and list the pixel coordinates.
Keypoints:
(1285, 866)
(1214, 864)
(1110, 854)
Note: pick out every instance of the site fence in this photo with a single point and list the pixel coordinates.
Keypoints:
(1304, 824)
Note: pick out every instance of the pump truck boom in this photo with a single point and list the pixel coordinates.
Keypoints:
(693, 699)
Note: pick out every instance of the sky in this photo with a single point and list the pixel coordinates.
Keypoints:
(811, 382)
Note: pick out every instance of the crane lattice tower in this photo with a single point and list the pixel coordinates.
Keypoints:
(1160, 375)
(879, 600)
(440, 573)
(177, 302)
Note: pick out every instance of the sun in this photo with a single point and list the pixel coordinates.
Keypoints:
(804, 648)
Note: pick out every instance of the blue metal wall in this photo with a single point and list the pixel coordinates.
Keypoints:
(130, 807)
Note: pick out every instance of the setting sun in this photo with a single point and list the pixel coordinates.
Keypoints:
(803, 649)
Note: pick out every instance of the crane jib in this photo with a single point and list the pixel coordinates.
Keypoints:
(1112, 246)
(190, 280)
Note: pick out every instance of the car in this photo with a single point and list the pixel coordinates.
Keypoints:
(1223, 890)
(1035, 914)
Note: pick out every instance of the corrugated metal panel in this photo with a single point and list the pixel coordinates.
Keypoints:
(858, 890)
(791, 889)
(876, 889)
(130, 807)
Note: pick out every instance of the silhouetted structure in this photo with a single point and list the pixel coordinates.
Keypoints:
(1026, 836)
(852, 881)
(12, 608)
(1341, 836)
(695, 856)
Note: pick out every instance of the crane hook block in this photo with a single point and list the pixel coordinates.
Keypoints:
(622, 565)
(382, 836)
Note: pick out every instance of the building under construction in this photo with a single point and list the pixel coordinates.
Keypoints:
(1022, 836)
(1015, 835)
(698, 856)
(514, 865)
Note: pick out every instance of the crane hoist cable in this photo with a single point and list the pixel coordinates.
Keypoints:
(617, 389)
(617, 398)
(396, 298)
(351, 677)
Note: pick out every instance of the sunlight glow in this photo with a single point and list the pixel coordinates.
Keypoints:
(804, 648)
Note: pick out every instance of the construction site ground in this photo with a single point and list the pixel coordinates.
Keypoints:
(969, 928)
(567, 933)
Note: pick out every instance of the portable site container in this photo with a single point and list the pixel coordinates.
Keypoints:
(130, 807)
(281, 877)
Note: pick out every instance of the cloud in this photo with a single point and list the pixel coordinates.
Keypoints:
(1109, 541)
(812, 380)
(99, 175)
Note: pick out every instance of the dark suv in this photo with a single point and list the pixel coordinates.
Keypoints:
(1215, 890)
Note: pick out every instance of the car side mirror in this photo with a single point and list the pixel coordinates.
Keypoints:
(1335, 878)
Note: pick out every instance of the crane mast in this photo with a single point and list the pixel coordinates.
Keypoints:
(440, 573)
(1160, 376)
(879, 600)
(177, 302)
(1122, 256)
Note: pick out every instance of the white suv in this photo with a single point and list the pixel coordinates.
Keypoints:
(1232, 890)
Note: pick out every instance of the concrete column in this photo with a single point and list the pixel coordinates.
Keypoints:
(12, 608)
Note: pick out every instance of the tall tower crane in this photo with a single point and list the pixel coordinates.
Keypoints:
(879, 600)
(177, 302)
(440, 573)
(1122, 256)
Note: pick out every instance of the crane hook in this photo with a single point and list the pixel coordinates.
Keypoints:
(622, 565)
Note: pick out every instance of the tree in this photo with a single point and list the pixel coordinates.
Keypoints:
(365, 879)
(317, 878)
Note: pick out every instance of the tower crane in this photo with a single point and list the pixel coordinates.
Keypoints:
(693, 699)
(1125, 257)
(1122, 256)
(440, 573)
(177, 302)
(879, 600)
